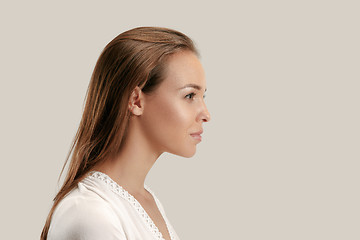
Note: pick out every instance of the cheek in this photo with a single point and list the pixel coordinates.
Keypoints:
(169, 120)
(175, 116)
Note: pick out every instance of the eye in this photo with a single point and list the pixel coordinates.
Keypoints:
(191, 95)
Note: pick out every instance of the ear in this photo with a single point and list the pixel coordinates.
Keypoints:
(136, 101)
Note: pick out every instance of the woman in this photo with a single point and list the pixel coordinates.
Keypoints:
(146, 97)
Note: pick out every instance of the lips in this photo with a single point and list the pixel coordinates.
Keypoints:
(197, 135)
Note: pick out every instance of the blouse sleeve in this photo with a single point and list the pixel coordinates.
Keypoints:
(80, 219)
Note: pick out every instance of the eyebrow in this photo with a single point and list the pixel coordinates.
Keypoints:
(192, 85)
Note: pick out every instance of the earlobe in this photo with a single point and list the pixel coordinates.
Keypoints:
(136, 102)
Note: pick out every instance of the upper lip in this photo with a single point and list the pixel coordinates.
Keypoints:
(197, 133)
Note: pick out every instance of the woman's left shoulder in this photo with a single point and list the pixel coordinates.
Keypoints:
(79, 217)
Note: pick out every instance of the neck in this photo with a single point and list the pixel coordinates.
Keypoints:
(131, 165)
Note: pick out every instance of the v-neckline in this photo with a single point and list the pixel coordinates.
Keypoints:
(120, 191)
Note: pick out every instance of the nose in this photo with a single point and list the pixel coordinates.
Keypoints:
(205, 115)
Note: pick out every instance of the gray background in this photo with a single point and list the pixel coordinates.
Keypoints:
(279, 159)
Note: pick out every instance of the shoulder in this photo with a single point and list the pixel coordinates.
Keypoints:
(84, 217)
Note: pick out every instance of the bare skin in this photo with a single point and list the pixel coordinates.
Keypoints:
(160, 122)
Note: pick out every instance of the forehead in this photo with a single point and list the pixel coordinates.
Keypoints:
(184, 68)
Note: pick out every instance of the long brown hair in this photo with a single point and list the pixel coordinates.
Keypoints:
(134, 58)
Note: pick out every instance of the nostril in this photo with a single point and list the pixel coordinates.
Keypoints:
(207, 118)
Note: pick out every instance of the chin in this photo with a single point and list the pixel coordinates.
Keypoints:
(187, 153)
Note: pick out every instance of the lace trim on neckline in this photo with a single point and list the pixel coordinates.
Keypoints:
(119, 190)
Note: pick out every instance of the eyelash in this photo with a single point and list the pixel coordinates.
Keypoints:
(193, 94)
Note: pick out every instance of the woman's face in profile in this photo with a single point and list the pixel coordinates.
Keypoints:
(176, 109)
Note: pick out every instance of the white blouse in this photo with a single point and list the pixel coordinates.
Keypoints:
(99, 208)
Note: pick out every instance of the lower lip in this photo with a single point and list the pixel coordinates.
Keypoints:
(196, 136)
